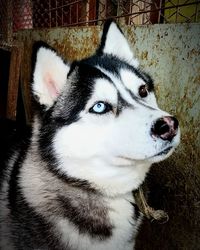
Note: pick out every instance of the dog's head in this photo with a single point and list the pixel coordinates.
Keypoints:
(101, 112)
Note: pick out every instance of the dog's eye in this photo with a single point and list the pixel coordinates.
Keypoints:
(143, 91)
(100, 108)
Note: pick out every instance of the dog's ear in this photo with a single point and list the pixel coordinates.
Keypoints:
(114, 42)
(49, 75)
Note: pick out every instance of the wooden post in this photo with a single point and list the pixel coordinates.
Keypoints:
(13, 82)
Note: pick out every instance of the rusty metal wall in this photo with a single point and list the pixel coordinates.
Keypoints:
(171, 54)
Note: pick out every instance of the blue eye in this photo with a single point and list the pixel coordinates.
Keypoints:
(100, 108)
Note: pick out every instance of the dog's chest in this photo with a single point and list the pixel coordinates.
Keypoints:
(124, 220)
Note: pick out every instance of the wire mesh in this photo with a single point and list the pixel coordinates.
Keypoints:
(22, 14)
(28, 14)
(5, 20)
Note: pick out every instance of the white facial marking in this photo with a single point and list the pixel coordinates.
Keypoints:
(119, 86)
(103, 91)
(131, 81)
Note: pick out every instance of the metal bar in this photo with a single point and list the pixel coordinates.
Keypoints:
(177, 11)
(62, 14)
(56, 14)
(50, 13)
(65, 5)
(196, 12)
(77, 12)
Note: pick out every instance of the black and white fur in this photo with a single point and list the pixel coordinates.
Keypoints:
(71, 186)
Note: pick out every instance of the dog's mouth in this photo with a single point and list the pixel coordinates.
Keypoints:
(163, 152)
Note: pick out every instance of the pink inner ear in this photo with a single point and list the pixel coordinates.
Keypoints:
(51, 85)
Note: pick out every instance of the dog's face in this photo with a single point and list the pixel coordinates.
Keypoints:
(102, 107)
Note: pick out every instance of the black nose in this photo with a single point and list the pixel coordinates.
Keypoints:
(165, 128)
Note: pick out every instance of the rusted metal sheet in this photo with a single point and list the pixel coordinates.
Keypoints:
(171, 55)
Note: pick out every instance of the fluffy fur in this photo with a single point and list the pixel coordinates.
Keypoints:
(92, 144)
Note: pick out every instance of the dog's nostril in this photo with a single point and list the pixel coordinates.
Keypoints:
(161, 127)
(172, 122)
(165, 128)
(175, 122)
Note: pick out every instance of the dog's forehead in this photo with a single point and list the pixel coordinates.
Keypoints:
(130, 79)
(109, 63)
(104, 90)
(113, 68)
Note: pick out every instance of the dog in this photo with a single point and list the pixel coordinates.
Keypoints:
(95, 135)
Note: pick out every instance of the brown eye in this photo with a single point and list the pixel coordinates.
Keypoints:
(143, 92)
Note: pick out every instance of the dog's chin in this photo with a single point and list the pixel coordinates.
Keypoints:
(161, 155)
(165, 152)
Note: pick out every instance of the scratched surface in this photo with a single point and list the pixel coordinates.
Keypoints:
(171, 54)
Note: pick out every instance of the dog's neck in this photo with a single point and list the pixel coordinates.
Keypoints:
(102, 214)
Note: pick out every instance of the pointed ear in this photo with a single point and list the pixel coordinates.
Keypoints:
(114, 42)
(49, 76)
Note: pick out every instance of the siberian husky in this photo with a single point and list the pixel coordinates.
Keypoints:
(97, 131)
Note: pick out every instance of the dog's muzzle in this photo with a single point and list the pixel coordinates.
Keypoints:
(165, 128)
